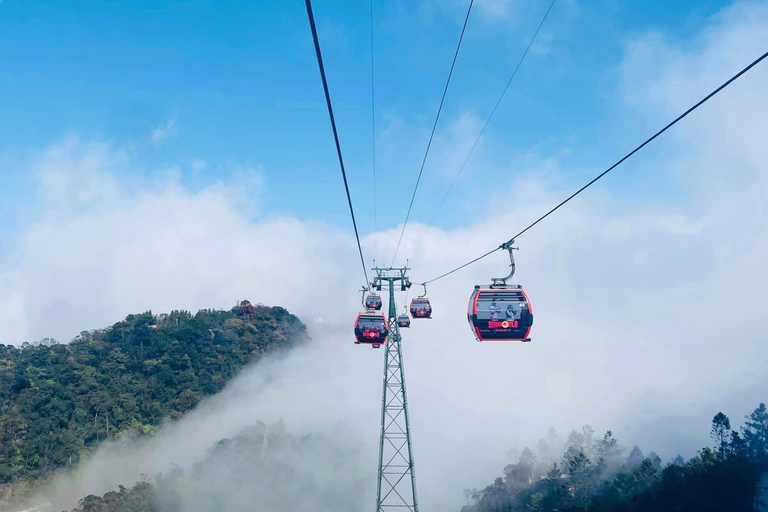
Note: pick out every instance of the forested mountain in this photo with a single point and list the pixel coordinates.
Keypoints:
(593, 475)
(266, 468)
(59, 400)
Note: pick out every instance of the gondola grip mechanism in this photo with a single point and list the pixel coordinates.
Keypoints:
(496, 281)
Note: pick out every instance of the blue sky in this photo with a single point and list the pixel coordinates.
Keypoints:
(239, 85)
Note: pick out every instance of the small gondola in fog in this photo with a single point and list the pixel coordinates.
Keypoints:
(371, 329)
(373, 301)
(421, 308)
(404, 321)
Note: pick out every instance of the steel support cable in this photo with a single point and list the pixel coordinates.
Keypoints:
(311, 16)
(373, 129)
(498, 102)
(628, 155)
(434, 126)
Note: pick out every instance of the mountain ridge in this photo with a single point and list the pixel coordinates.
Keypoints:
(59, 401)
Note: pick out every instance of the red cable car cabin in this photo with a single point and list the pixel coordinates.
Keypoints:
(373, 301)
(404, 321)
(371, 329)
(421, 308)
(500, 313)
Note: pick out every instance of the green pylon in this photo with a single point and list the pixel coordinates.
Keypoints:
(397, 481)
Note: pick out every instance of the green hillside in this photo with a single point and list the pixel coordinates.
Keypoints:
(57, 401)
(588, 474)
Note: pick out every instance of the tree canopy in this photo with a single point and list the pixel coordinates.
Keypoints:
(591, 475)
(57, 401)
(266, 467)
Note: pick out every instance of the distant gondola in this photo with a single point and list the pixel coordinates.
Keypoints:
(404, 321)
(371, 329)
(421, 308)
(373, 301)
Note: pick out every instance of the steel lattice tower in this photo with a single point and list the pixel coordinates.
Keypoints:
(397, 481)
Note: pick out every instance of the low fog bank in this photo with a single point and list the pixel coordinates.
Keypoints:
(331, 390)
(300, 393)
(264, 467)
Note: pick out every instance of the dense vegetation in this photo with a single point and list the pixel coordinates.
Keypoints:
(59, 400)
(262, 468)
(266, 468)
(592, 475)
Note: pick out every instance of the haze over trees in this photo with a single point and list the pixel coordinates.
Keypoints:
(58, 401)
(588, 473)
(268, 468)
(264, 467)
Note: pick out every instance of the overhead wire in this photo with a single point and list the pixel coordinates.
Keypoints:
(373, 129)
(487, 121)
(624, 158)
(319, 54)
(434, 126)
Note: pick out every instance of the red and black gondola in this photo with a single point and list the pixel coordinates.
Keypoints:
(371, 329)
(421, 308)
(500, 313)
(373, 301)
(404, 321)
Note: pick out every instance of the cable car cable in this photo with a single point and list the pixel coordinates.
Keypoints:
(498, 102)
(335, 132)
(437, 117)
(373, 129)
(638, 148)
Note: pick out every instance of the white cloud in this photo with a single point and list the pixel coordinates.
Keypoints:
(489, 11)
(495, 9)
(660, 78)
(677, 224)
(198, 164)
(452, 145)
(73, 174)
(164, 130)
(649, 316)
(543, 44)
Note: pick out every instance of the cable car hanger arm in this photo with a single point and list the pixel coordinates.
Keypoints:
(502, 281)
